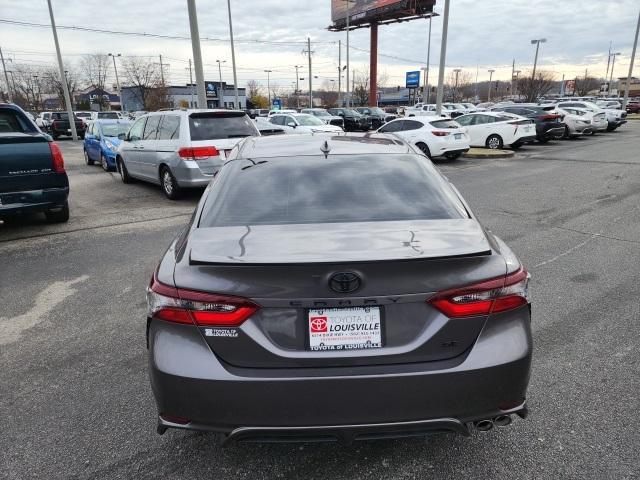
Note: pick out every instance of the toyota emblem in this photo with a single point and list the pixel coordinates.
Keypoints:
(344, 282)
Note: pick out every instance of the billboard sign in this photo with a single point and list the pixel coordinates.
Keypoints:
(569, 87)
(413, 79)
(210, 89)
(277, 104)
(364, 11)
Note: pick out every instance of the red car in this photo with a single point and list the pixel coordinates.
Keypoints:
(633, 107)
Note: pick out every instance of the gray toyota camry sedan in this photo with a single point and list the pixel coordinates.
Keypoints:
(336, 287)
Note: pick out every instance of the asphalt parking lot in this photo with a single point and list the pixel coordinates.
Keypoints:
(75, 397)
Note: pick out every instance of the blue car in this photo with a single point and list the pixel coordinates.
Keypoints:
(101, 142)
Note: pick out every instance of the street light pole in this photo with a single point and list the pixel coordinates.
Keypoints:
(339, 71)
(426, 78)
(233, 57)
(297, 87)
(310, 74)
(455, 91)
(221, 92)
(197, 53)
(65, 86)
(191, 83)
(268, 72)
(633, 56)
(490, 82)
(443, 57)
(115, 69)
(535, 61)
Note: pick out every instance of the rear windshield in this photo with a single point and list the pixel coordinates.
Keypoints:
(217, 126)
(10, 122)
(109, 115)
(60, 116)
(83, 114)
(445, 124)
(353, 188)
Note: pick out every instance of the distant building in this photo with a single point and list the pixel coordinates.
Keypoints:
(187, 95)
(97, 99)
(634, 86)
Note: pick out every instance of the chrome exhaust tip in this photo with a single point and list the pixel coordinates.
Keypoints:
(484, 425)
(502, 420)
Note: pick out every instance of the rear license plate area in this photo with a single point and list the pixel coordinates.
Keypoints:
(457, 136)
(338, 329)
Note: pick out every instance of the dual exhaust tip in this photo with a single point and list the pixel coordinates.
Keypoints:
(499, 421)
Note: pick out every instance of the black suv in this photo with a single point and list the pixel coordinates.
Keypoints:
(353, 121)
(378, 116)
(548, 125)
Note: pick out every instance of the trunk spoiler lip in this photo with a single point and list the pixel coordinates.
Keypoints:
(482, 253)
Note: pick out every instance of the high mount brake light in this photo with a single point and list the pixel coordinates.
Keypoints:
(491, 296)
(190, 307)
(198, 153)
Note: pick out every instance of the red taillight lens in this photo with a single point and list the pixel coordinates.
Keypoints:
(57, 160)
(198, 153)
(190, 307)
(549, 117)
(440, 134)
(484, 298)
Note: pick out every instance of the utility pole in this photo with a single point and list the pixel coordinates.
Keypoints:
(221, 89)
(197, 53)
(513, 69)
(490, 83)
(191, 84)
(475, 89)
(233, 57)
(608, 60)
(515, 83)
(633, 56)
(310, 73)
(426, 77)
(268, 72)
(6, 77)
(613, 64)
(443, 57)
(339, 71)
(455, 90)
(562, 86)
(65, 85)
(161, 71)
(115, 69)
(535, 61)
(297, 87)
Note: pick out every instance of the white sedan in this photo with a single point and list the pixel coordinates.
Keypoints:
(579, 121)
(496, 130)
(302, 123)
(435, 137)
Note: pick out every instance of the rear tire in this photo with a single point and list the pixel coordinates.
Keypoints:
(87, 160)
(453, 156)
(124, 173)
(169, 184)
(516, 146)
(60, 216)
(494, 142)
(424, 149)
(611, 128)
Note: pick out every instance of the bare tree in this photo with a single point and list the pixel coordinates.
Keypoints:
(26, 86)
(361, 88)
(145, 79)
(95, 68)
(254, 89)
(53, 84)
(328, 93)
(587, 84)
(534, 88)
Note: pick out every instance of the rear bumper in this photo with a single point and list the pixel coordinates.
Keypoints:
(189, 175)
(213, 396)
(13, 203)
(547, 132)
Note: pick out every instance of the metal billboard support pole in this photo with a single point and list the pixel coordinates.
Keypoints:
(443, 56)
(633, 56)
(233, 57)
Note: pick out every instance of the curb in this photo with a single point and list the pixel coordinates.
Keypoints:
(487, 153)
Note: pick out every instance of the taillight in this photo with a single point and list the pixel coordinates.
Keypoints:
(549, 117)
(484, 298)
(190, 307)
(198, 153)
(440, 134)
(57, 160)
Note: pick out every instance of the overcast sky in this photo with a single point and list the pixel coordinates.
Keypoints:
(488, 34)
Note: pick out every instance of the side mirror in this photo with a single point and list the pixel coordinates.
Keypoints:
(291, 124)
(122, 136)
(341, 114)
